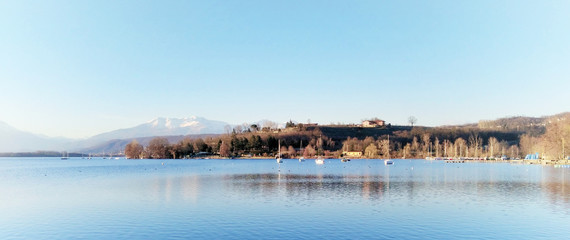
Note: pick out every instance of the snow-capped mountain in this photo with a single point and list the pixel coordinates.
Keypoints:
(14, 140)
(166, 127)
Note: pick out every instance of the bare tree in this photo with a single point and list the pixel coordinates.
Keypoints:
(245, 127)
(238, 129)
(412, 120)
(224, 149)
(371, 151)
(228, 129)
(447, 145)
(309, 151)
(493, 145)
(291, 151)
(283, 151)
(426, 144)
(459, 143)
(475, 143)
(133, 150)
(406, 150)
(385, 148)
(269, 124)
(514, 149)
(158, 148)
(436, 146)
(415, 147)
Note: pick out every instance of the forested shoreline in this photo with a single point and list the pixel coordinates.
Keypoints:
(483, 141)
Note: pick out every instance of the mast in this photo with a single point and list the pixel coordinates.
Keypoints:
(388, 146)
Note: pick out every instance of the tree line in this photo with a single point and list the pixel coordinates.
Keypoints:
(416, 142)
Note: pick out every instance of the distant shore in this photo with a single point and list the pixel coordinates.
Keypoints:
(447, 160)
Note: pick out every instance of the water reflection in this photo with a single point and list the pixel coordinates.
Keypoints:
(185, 188)
(410, 187)
(365, 197)
(556, 185)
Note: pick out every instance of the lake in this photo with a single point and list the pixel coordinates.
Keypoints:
(260, 199)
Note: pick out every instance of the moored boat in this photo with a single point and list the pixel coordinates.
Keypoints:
(64, 156)
(278, 158)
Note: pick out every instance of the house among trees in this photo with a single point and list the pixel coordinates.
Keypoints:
(352, 154)
(373, 123)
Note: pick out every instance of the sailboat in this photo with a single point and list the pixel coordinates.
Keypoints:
(344, 159)
(301, 159)
(320, 160)
(278, 158)
(388, 161)
(64, 156)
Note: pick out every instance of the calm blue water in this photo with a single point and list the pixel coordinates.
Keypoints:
(259, 199)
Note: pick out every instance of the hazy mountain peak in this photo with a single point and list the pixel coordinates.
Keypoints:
(5, 126)
(14, 140)
(164, 126)
(172, 123)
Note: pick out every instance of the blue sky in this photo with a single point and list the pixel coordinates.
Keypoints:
(78, 68)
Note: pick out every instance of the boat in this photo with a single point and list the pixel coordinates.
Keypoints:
(64, 156)
(301, 159)
(343, 158)
(278, 158)
(388, 161)
(320, 160)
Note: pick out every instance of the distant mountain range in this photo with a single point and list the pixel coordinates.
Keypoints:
(166, 127)
(14, 140)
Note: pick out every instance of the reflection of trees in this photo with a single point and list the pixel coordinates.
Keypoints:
(556, 185)
(375, 187)
(310, 186)
(300, 187)
(166, 189)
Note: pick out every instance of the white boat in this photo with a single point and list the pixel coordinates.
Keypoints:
(320, 160)
(388, 162)
(301, 159)
(64, 156)
(279, 159)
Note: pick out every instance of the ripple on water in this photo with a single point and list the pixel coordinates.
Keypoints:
(253, 199)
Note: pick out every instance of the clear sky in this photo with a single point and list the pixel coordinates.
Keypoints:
(78, 68)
